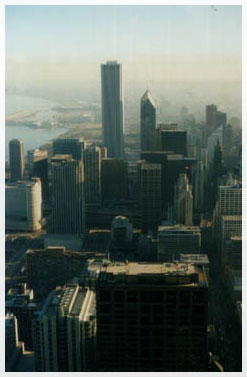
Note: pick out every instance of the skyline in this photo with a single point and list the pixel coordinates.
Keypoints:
(194, 42)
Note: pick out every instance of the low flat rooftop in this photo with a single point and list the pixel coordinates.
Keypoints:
(133, 268)
(176, 274)
(177, 228)
(194, 258)
(232, 217)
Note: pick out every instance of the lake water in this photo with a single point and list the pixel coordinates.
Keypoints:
(32, 138)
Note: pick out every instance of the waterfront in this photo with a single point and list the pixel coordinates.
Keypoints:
(31, 137)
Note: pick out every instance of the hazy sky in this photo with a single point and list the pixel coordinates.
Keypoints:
(69, 43)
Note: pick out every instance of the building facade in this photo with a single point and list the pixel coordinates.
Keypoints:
(149, 177)
(92, 171)
(112, 108)
(71, 146)
(176, 239)
(64, 331)
(23, 205)
(68, 205)
(151, 317)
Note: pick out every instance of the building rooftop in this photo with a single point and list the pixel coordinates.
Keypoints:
(22, 184)
(232, 217)
(69, 300)
(149, 268)
(176, 273)
(194, 258)
(178, 228)
(61, 157)
(148, 97)
(150, 166)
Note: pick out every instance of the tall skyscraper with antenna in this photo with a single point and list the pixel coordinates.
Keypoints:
(112, 108)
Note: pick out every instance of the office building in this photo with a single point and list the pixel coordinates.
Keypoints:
(71, 146)
(64, 331)
(177, 239)
(23, 205)
(164, 126)
(171, 166)
(151, 317)
(149, 177)
(68, 206)
(174, 141)
(114, 176)
(92, 171)
(183, 201)
(112, 108)
(148, 122)
(52, 266)
(229, 200)
(33, 156)
(230, 226)
(16, 160)
(233, 253)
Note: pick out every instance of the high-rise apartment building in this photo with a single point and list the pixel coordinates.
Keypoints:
(68, 206)
(92, 171)
(148, 122)
(151, 317)
(72, 146)
(64, 331)
(149, 177)
(16, 159)
(112, 108)
(23, 205)
(114, 179)
(176, 239)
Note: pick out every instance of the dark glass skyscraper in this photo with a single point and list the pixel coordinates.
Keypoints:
(148, 122)
(112, 108)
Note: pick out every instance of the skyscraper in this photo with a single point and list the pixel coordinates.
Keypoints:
(112, 108)
(152, 317)
(149, 176)
(148, 122)
(92, 170)
(114, 174)
(16, 159)
(68, 206)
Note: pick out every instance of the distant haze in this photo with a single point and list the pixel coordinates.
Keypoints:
(68, 43)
